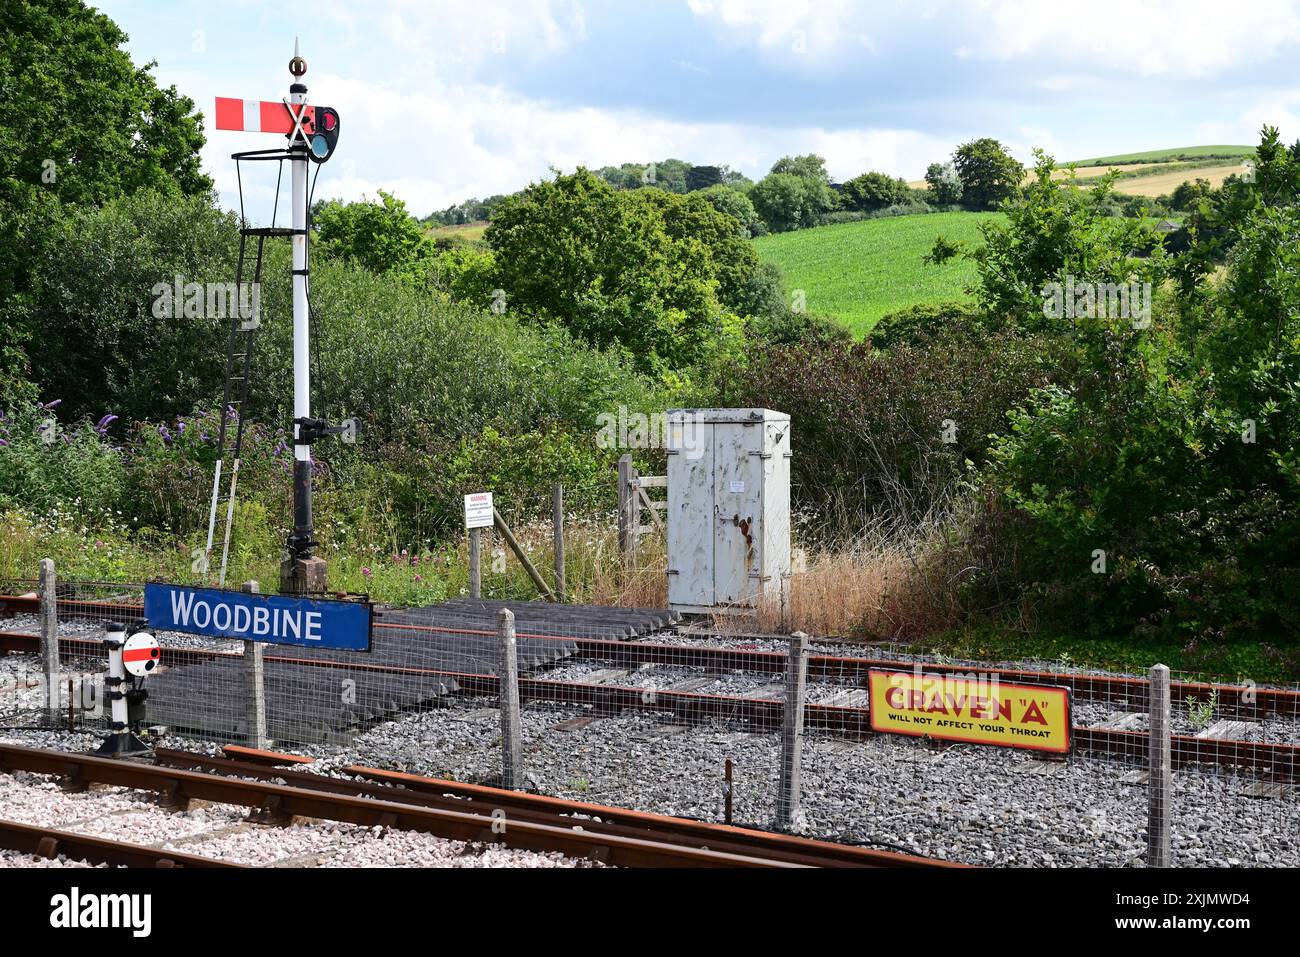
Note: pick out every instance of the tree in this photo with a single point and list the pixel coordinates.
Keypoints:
(81, 124)
(381, 236)
(618, 269)
(1190, 195)
(732, 260)
(1060, 232)
(737, 205)
(874, 191)
(811, 166)
(81, 121)
(989, 174)
(106, 342)
(786, 201)
(702, 177)
(944, 183)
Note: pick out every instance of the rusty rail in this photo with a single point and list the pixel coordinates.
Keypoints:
(284, 802)
(593, 818)
(50, 843)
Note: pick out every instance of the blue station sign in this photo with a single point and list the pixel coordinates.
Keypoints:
(270, 619)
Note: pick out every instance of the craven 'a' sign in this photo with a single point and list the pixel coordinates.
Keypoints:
(972, 709)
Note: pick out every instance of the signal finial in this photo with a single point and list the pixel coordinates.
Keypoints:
(297, 66)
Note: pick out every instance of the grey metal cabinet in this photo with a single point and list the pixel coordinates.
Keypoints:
(728, 508)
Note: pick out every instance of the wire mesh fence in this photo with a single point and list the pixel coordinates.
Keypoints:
(638, 708)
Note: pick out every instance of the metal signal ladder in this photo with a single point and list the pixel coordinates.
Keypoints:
(239, 362)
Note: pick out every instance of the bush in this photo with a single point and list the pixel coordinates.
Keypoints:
(47, 467)
(875, 191)
(921, 323)
(102, 345)
(787, 201)
(886, 436)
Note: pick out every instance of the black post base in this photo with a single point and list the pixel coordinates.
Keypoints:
(122, 744)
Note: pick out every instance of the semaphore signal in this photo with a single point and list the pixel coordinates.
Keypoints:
(312, 134)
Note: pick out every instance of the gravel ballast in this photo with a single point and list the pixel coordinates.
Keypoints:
(223, 832)
(968, 804)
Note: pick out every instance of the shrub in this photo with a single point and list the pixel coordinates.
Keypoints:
(875, 191)
(887, 435)
(46, 466)
(924, 322)
(101, 343)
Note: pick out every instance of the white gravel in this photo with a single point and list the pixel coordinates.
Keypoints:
(969, 804)
(223, 832)
(93, 630)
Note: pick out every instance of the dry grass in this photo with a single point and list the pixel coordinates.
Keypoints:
(876, 590)
(881, 588)
(1161, 184)
(1166, 183)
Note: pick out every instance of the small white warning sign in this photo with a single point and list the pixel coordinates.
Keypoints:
(479, 510)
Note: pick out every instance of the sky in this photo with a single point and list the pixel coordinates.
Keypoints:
(441, 100)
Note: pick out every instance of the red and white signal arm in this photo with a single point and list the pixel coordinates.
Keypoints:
(316, 126)
(141, 655)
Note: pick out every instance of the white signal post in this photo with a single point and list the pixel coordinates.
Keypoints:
(301, 327)
(312, 133)
(301, 572)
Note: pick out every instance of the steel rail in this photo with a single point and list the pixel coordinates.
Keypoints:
(1280, 760)
(284, 802)
(50, 843)
(593, 818)
(1240, 701)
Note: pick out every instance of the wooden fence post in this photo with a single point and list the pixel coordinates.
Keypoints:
(475, 564)
(254, 686)
(557, 517)
(789, 787)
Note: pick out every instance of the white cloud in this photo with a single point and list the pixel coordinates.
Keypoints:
(1129, 37)
(808, 34)
(453, 32)
(1280, 109)
(475, 140)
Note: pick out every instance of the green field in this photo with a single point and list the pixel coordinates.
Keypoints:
(859, 272)
(1171, 155)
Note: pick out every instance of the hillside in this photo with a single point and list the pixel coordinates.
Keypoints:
(859, 272)
(1171, 155)
(1156, 172)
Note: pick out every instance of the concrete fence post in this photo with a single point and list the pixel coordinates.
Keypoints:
(254, 686)
(512, 750)
(1160, 778)
(789, 785)
(49, 622)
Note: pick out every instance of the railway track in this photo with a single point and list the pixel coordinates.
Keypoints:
(444, 809)
(50, 843)
(1280, 762)
(841, 669)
